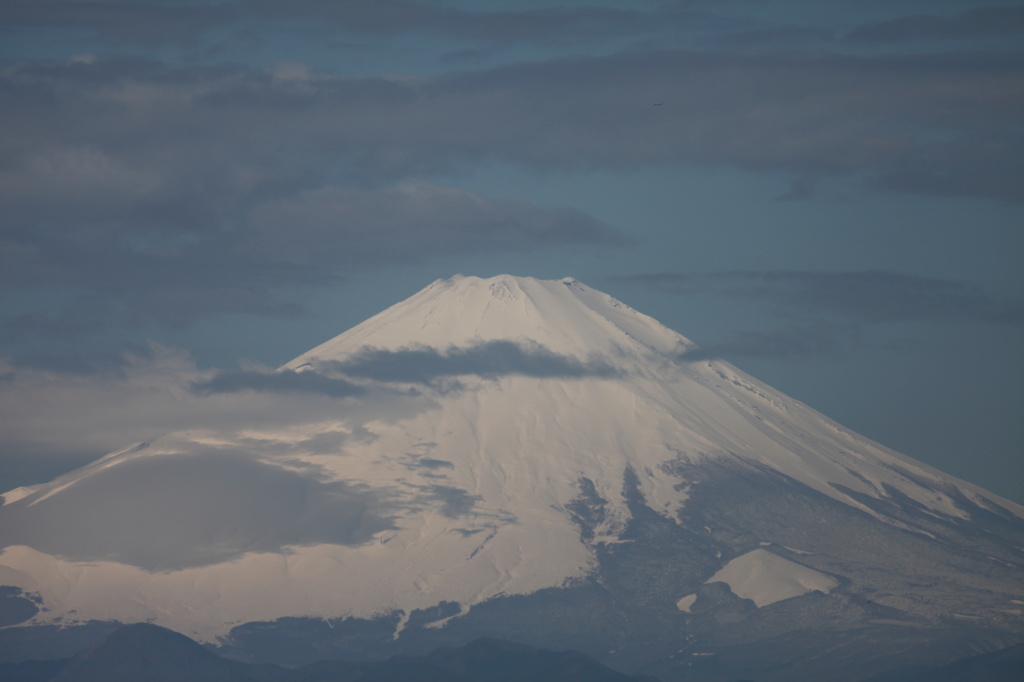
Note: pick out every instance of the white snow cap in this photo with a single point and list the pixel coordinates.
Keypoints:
(564, 316)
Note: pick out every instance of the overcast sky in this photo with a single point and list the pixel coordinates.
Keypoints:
(826, 194)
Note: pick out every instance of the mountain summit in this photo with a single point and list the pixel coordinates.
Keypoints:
(530, 460)
(562, 316)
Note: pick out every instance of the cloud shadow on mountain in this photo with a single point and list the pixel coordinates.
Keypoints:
(168, 512)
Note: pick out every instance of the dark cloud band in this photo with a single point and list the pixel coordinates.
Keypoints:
(865, 296)
(211, 189)
(488, 359)
(285, 381)
(822, 313)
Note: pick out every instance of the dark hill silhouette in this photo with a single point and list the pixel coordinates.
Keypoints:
(1005, 665)
(490, 660)
(142, 652)
(148, 653)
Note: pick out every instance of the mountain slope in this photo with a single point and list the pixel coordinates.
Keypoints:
(508, 451)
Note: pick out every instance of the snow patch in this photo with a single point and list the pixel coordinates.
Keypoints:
(686, 602)
(766, 578)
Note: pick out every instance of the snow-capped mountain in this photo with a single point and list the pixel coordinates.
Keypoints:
(532, 460)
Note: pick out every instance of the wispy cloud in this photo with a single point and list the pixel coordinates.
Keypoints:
(58, 414)
(353, 225)
(486, 359)
(128, 23)
(170, 193)
(123, 21)
(796, 342)
(863, 296)
(282, 381)
(55, 417)
(825, 313)
(392, 17)
(815, 112)
(138, 192)
(974, 24)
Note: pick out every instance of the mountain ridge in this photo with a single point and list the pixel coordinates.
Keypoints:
(564, 316)
(142, 652)
(506, 440)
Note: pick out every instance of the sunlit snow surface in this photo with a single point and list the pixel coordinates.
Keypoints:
(766, 578)
(482, 405)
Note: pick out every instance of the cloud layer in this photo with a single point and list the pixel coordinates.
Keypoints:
(165, 193)
(489, 359)
(284, 381)
(866, 296)
(822, 310)
(53, 420)
(169, 167)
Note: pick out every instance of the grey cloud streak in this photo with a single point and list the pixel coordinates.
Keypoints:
(122, 21)
(824, 313)
(486, 359)
(974, 24)
(284, 381)
(410, 219)
(215, 231)
(419, 365)
(392, 17)
(134, 22)
(144, 23)
(132, 181)
(52, 420)
(797, 342)
(792, 111)
(865, 296)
